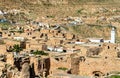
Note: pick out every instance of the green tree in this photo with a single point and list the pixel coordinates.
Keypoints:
(17, 48)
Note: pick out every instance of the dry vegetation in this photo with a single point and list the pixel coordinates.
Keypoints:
(58, 9)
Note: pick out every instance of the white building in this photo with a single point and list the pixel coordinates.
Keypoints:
(96, 40)
(107, 41)
(113, 35)
(59, 49)
(50, 48)
(79, 42)
(19, 38)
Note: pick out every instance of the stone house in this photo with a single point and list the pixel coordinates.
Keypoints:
(44, 31)
(69, 36)
(55, 41)
(50, 35)
(30, 46)
(60, 35)
(55, 32)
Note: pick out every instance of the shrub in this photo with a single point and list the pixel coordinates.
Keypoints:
(16, 48)
(40, 53)
(80, 10)
(115, 76)
(63, 68)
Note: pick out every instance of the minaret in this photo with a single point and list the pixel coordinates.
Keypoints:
(112, 35)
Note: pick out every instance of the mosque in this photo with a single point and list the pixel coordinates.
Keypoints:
(99, 40)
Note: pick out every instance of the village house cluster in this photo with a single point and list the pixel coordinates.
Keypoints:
(39, 49)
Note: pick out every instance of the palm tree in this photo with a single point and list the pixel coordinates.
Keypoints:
(17, 48)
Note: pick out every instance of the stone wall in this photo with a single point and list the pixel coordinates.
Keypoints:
(59, 62)
(30, 46)
(75, 65)
(40, 66)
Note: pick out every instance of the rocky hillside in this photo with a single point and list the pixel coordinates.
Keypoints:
(28, 3)
(59, 2)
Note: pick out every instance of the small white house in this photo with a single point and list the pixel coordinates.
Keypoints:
(40, 24)
(31, 54)
(50, 48)
(96, 40)
(60, 49)
(107, 41)
(56, 49)
(79, 42)
(19, 38)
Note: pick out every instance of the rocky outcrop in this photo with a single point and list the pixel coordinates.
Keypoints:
(25, 73)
